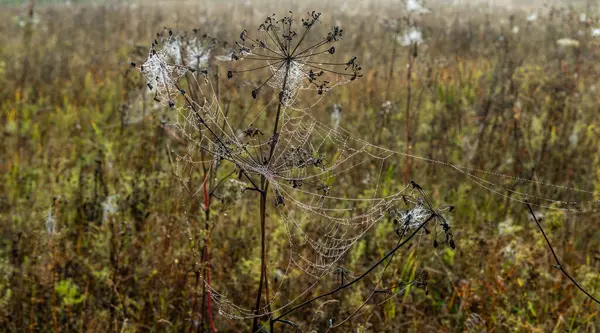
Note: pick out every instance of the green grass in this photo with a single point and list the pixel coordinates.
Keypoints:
(522, 107)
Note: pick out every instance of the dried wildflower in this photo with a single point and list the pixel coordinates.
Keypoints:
(162, 71)
(386, 107)
(336, 115)
(50, 222)
(532, 17)
(171, 56)
(419, 212)
(411, 37)
(110, 207)
(197, 50)
(173, 50)
(416, 7)
(596, 32)
(292, 64)
(27, 21)
(406, 219)
(567, 42)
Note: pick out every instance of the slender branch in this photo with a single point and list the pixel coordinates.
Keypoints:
(328, 70)
(280, 43)
(264, 58)
(314, 47)
(263, 45)
(306, 31)
(278, 115)
(257, 68)
(270, 77)
(558, 263)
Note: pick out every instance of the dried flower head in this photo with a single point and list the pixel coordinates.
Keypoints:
(50, 222)
(567, 42)
(406, 219)
(110, 207)
(336, 115)
(171, 56)
(532, 17)
(416, 7)
(411, 37)
(418, 212)
(197, 50)
(387, 107)
(293, 65)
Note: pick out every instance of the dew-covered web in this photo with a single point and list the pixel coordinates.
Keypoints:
(170, 58)
(322, 221)
(305, 169)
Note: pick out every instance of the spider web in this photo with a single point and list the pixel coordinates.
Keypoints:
(309, 162)
(321, 222)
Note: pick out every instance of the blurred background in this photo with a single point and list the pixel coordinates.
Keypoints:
(98, 234)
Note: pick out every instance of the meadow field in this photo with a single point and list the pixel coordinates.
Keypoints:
(299, 166)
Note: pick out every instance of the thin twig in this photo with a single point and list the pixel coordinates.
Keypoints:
(558, 263)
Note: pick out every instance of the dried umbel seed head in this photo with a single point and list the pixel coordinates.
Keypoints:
(416, 7)
(171, 56)
(197, 50)
(50, 221)
(294, 66)
(336, 115)
(161, 75)
(413, 36)
(407, 219)
(387, 107)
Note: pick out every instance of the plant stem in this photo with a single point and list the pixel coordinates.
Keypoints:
(263, 202)
(263, 206)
